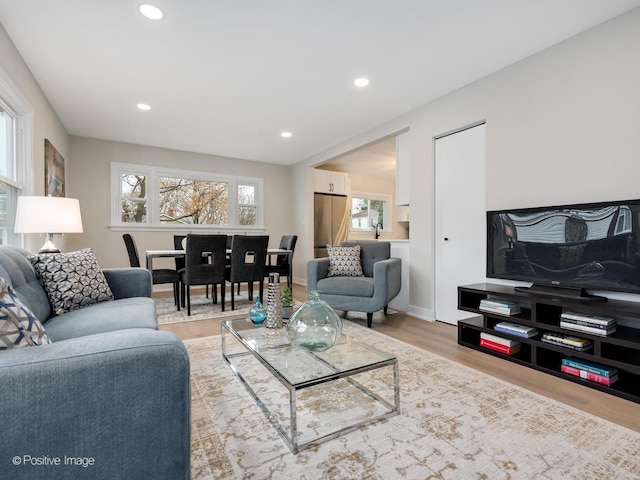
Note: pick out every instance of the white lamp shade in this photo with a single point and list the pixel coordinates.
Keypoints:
(48, 215)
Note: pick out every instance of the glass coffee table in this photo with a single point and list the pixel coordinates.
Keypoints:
(311, 397)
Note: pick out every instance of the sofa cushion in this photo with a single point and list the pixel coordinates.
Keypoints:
(18, 325)
(71, 280)
(350, 286)
(134, 312)
(344, 261)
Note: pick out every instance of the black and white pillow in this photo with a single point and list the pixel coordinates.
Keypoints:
(19, 327)
(344, 261)
(71, 280)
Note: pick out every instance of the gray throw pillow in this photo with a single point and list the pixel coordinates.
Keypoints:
(71, 280)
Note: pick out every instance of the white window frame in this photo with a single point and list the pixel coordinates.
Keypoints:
(14, 102)
(388, 212)
(154, 174)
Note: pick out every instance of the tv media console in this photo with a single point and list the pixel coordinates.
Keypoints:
(619, 350)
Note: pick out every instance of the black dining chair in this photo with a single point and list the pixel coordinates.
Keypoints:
(213, 248)
(283, 263)
(248, 261)
(159, 275)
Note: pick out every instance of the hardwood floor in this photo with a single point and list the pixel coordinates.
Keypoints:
(441, 339)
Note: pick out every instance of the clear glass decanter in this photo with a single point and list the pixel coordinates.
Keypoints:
(315, 325)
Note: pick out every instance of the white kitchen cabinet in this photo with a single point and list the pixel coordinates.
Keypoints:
(330, 182)
(402, 169)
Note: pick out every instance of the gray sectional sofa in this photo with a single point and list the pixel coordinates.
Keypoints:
(109, 398)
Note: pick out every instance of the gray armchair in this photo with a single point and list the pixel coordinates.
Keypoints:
(380, 284)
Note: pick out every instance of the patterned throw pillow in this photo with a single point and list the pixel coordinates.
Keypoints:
(344, 261)
(18, 326)
(71, 280)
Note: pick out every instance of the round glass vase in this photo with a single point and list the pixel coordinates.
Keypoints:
(257, 313)
(315, 326)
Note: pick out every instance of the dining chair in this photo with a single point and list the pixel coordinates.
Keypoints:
(283, 263)
(159, 275)
(213, 248)
(248, 261)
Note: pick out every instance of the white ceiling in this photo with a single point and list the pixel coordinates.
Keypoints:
(225, 77)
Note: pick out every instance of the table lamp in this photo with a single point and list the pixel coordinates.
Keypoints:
(48, 215)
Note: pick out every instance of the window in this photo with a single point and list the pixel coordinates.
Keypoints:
(369, 210)
(15, 163)
(158, 197)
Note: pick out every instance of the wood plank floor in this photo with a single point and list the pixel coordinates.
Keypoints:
(441, 339)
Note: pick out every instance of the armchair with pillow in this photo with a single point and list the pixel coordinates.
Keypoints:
(357, 276)
(85, 373)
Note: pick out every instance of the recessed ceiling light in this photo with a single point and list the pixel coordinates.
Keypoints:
(361, 82)
(143, 106)
(285, 134)
(151, 12)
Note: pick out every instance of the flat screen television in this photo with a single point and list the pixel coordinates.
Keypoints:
(569, 249)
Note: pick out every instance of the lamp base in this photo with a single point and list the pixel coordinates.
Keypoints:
(49, 246)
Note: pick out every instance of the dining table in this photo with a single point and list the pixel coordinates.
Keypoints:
(151, 254)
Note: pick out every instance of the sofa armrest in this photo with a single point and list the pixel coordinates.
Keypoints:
(120, 400)
(129, 282)
(387, 278)
(317, 269)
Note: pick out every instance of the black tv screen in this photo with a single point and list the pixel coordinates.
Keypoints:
(591, 246)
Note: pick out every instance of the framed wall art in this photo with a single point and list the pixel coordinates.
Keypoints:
(53, 171)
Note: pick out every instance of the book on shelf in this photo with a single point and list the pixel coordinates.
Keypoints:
(586, 323)
(516, 329)
(498, 347)
(589, 366)
(586, 329)
(590, 319)
(589, 375)
(496, 339)
(499, 306)
(567, 341)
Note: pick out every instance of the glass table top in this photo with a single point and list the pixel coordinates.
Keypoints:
(301, 367)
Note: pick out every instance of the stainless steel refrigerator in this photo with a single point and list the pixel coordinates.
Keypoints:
(330, 222)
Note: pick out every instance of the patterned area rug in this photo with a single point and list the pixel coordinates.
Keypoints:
(456, 423)
(201, 309)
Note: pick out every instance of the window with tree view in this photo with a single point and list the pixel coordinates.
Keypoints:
(157, 196)
(366, 213)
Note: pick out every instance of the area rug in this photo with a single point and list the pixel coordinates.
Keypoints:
(455, 423)
(202, 308)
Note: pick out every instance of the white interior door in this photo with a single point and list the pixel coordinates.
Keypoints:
(460, 218)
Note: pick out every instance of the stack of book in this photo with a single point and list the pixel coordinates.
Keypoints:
(503, 307)
(516, 329)
(593, 324)
(562, 340)
(499, 344)
(590, 370)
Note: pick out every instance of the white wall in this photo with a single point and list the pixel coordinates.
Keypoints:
(90, 177)
(45, 121)
(562, 127)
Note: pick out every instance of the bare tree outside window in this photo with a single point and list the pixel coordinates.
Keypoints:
(247, 209)
(193, 202)
(133, 204)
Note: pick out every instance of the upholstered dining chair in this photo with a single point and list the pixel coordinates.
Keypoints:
(248, 261)
(195, 272)
(283, 262)
(159, 275)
